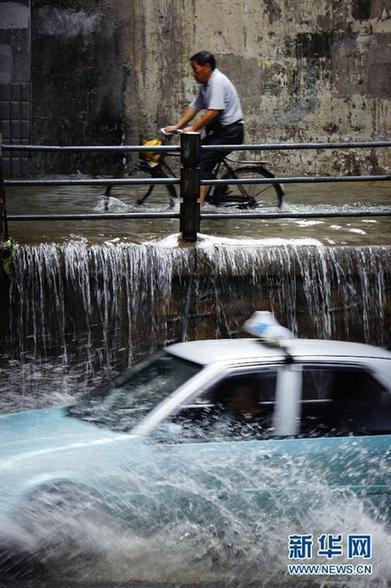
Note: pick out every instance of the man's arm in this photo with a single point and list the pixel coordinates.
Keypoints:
(187, 116)
(201, 122)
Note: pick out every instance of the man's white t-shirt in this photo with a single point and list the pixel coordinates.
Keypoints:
(219, 93)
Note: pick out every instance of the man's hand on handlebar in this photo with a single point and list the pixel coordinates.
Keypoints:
(169, 130)
(173, 130)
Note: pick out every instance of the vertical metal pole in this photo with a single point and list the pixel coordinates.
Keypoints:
(189, 224)
(3, 212)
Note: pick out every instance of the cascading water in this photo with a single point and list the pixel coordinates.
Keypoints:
(89, 309)
(129, 293)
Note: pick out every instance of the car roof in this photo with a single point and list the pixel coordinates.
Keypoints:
(236, 350)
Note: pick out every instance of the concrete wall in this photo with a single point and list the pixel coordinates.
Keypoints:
(108, 71)
(306, 71)
(78, 79)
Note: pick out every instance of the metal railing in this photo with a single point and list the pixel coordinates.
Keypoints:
(189, 149)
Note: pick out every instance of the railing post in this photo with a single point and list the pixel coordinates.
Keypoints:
(190, 186)
(3, 211)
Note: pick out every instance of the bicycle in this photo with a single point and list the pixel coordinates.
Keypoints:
(242, 196)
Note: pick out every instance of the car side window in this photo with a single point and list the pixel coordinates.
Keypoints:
(238, 407)
(342, 402)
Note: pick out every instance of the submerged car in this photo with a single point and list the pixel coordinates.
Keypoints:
(212, 433)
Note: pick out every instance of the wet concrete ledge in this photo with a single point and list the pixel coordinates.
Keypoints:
(127, 300)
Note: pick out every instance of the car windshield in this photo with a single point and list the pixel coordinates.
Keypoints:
(123, 403)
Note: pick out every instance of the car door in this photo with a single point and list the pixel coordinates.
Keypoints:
(343, 447)
(218, 470)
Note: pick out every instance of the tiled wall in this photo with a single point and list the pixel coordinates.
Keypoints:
(15, 113)
(15, 81)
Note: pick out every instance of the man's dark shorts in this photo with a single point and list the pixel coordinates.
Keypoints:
(216, 134)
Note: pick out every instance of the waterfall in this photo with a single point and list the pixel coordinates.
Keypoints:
(120, 300)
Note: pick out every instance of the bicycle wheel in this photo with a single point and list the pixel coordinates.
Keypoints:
(139, 194)
(251, 195)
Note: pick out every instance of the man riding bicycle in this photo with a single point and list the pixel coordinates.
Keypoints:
(223, 119)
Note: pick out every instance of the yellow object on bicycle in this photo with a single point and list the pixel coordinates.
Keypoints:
(151, 157)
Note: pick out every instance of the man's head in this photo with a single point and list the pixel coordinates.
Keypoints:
(202, 63)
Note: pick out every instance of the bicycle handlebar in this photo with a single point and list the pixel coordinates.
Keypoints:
(177, 132)
(164, 132)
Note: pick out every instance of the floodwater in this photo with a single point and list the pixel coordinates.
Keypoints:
(299, 198)
(186, 555)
